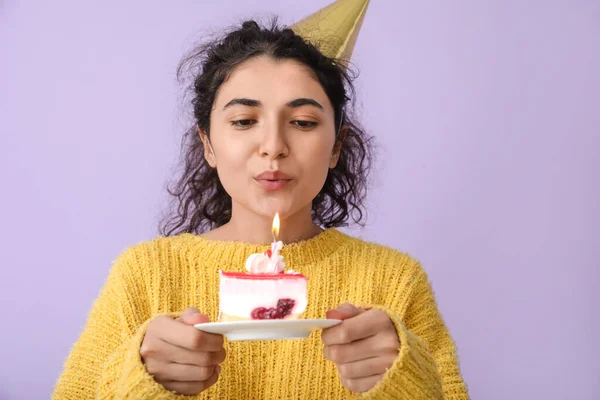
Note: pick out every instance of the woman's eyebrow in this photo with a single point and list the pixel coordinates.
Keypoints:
(304, 102)
(243, 102)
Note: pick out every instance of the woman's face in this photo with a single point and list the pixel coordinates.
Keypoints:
(273, 135)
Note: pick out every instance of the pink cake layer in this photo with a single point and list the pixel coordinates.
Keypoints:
(241, 293)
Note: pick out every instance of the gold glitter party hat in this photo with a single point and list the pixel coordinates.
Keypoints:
(334, 28)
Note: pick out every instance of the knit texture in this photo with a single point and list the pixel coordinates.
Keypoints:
(167, 275)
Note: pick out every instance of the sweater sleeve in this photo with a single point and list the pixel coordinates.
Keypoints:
(427, 366)
(105, 362)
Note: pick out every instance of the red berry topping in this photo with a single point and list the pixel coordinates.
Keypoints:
(258, 313)
(273, 313)
(284, 308)
(269, 253)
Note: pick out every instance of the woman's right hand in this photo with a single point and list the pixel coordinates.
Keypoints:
(179, 356)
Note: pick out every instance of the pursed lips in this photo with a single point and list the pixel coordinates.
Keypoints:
(272, 180)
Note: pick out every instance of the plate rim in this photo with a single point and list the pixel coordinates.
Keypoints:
(266, 322)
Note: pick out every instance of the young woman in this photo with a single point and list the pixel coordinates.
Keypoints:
(274, 133)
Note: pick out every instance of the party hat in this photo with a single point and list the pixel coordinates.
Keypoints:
(334, 28)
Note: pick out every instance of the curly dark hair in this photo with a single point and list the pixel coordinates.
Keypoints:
(200, 202)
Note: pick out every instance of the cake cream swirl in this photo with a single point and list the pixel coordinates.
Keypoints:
(270, 262)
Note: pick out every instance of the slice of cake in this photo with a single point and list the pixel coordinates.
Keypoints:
(265, 292)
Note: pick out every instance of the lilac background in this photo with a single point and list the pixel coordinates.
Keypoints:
(488, 120)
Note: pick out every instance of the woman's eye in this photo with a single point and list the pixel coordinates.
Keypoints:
(304, 124)
(243, 123)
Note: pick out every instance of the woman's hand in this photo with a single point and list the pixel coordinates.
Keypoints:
(364, 346)
(180, 357)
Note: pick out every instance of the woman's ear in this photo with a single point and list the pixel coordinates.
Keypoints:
(337, 147)
(209, 153)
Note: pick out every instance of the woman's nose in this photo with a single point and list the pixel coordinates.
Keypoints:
(273, 143)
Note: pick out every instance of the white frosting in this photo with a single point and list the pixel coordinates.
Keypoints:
(263, 264)
(238, 297)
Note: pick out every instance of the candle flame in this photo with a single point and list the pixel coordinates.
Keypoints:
(275, 228)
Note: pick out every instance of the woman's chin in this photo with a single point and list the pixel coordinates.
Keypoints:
(284, 207)
(270, 211)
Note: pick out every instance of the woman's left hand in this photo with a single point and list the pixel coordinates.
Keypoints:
(363, 347)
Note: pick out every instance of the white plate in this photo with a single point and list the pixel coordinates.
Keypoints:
(272, 329)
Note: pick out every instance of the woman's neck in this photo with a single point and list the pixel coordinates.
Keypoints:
(249, 227)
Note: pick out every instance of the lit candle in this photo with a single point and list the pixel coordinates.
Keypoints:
(276, 263)
(275, 246)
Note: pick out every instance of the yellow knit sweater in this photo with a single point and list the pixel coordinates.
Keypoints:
(167, 275)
